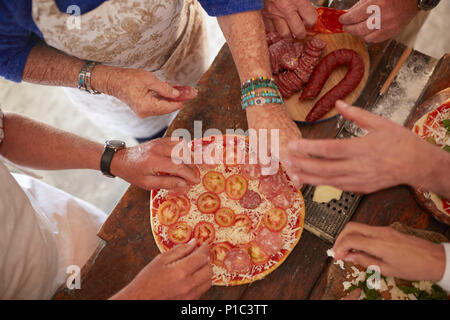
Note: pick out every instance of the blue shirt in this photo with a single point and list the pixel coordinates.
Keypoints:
(19, 34)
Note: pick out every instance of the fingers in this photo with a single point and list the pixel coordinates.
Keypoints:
(295, 24)
(363, 259)
(179, 252)
(322, 167)
(268, 24)
(355, 15)
(162, 182)
(362, 118)
(196, 260)
(307, 12)
(356, 242)
(164, 89)
(154, 106)
(329, 149)
(358, 29)
(282, 27)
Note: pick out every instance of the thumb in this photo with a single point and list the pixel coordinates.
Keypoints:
(179, 252)
(362, 118)
(164, 89)
(356, 14)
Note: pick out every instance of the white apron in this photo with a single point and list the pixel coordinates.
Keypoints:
(43, 230)
(167, 37)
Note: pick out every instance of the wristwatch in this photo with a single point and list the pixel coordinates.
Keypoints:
(427, 5)
(111, 147)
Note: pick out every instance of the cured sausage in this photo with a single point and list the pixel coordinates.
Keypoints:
(271, 242)
(285, 199)
(251, 200)
(326, 66)
(251, 171)
(271, 186)
(237, 261)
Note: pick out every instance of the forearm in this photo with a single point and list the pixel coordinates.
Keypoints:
(246, 38)
(48, 66)
(36, 145)
(438, 180)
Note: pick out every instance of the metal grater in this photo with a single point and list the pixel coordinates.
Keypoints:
(326, 220)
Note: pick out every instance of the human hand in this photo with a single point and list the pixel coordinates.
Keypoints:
(289, 17)
(142, 91)
(183, 273)
(150, 166)
(395, 15)
(275, 117)
(388, 155)
(397, 254)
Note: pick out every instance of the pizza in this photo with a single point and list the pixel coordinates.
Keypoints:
(434, 127)
(250, 221)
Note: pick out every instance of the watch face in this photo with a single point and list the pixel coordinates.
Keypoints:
(115, 144)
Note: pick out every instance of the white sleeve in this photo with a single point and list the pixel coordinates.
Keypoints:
(445, 281)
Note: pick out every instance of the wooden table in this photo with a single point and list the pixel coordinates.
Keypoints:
(127, 243)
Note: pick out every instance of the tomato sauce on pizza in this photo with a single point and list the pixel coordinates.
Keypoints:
(251, 222)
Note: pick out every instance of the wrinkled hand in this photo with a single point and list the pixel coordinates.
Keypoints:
(387, 156)
(150, 166)
(289, 17)
(142, 91)
(397, 254)
(181, 273)
(276, 118)
(395, 15)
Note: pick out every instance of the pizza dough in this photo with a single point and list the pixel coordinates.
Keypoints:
(251, 222)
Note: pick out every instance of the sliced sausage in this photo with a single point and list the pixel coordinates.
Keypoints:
(237, 261)
(271, 186)
(251, 200)
(271, 242)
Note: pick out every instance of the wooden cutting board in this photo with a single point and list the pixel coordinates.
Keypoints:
(336, 276)
(300, 109)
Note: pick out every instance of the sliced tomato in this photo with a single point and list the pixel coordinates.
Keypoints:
(258, 255)
(225, 217)
(180, 232)
(214, 181)
(275, 219)
(219, 251)
(204, 232)
(236, 186)
(168, 213)
(208, 202)
(183, 203)
(242, 220)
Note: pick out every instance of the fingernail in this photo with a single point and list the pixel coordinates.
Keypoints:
(181, 184)
(175, 92)
(192, 241)
(296, 178)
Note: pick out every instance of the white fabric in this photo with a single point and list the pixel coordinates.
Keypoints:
(42, 231)
(166, 37)
(445, 281)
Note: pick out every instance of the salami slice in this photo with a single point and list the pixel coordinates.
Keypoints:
(328, 21)
(271, 186)
(285, 199)
(237, 261)
(271, 242)
(313, 53)
(289, 61)
(298, 47)
(251, 200)
(317, 43)
(251, 171)
(302, 74)
(295, 80)
(290, 85)
(273, 37)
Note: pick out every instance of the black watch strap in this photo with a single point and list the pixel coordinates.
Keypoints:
(105, 162)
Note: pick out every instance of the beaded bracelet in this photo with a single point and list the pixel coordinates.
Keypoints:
(259, 101)
(256, 84)
(264, 94)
